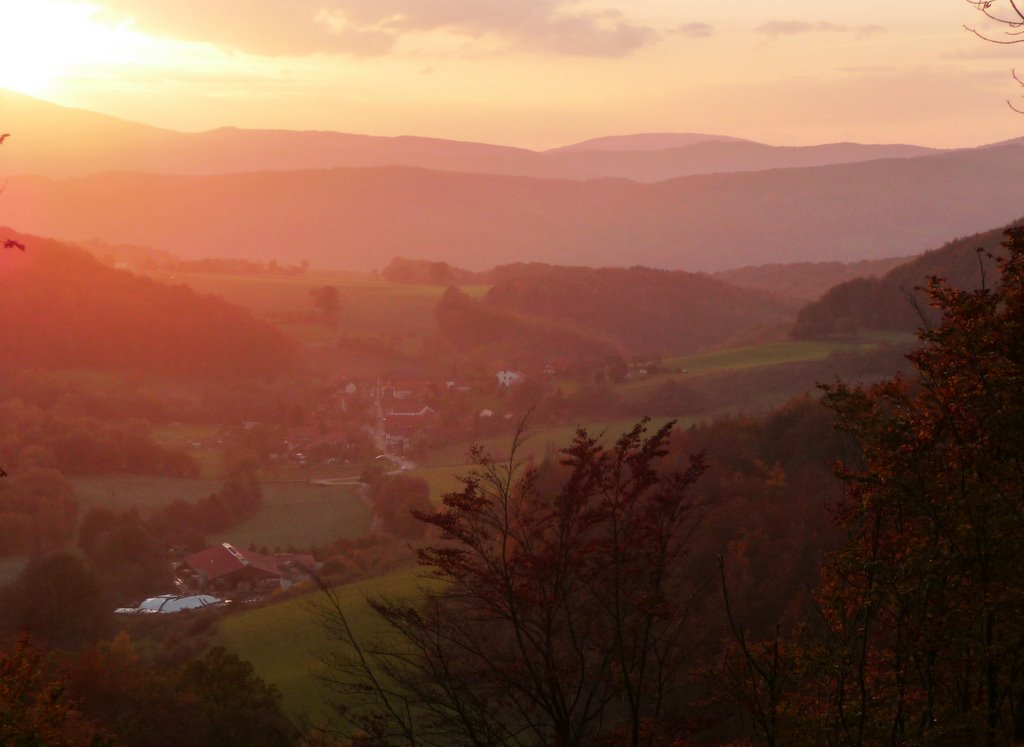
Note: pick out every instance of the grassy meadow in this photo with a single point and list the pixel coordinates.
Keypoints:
(284, 640)
(300, 515)
(297, 514)
(370, 305)
(146, 492)
(750, 356)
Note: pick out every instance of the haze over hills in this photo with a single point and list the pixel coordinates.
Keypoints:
(895, 301)
(645, 141)
(806, 281)
(61, 142)
(60, 307)
(359, 218)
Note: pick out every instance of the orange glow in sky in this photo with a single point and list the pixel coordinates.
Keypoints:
(535, 73)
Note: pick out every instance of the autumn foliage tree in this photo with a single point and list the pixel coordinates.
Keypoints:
(560, 611)
(919, 632)
(35, 710)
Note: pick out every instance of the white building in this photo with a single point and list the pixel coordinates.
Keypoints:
(510, 378)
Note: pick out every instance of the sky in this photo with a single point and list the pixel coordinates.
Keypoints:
(531, 73)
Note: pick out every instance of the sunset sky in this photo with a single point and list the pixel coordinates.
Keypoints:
(534, 73)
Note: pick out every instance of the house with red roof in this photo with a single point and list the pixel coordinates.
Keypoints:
(227, 568)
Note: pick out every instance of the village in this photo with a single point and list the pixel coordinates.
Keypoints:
(387, 421)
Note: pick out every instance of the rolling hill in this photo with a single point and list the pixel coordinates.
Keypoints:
(806, 281)
(644, 141)
(61, 307)
(893, 301)
(59, 142)
(358, 218)
(639, 309)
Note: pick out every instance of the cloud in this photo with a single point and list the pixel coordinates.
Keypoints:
(695, 30)
(776, 29)
(368, 28)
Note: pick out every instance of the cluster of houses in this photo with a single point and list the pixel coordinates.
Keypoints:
(355, 419)
(404, 407)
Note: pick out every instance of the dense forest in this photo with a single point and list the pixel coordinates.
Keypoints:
(534, 312)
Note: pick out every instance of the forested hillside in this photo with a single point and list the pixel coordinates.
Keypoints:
(897, 300)
(643, 310)
(808, 281)
(60, 307)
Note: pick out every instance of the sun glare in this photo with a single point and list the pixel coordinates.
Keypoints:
(45, 41)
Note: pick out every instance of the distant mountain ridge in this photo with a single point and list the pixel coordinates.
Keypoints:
(358, 218)
(645, 141)
(60, 142)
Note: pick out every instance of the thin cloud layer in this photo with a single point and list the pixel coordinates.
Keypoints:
(366, 28)
(794, 28)
(695, 30)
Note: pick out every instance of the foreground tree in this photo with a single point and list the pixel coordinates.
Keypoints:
(560, 613)
(34, 711)
(920, 636)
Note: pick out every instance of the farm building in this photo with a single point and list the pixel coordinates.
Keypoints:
(227, 568)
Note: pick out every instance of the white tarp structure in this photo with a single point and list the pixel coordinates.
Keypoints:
(168, 603)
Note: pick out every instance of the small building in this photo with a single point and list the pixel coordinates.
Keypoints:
(227, 568)
(510, 378)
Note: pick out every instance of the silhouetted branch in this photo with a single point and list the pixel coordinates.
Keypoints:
(1012, 20)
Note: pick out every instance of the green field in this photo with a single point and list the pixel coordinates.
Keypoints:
(370, 306)
(148, 493)
(299, 514)
(539, 442)
(768, 354)
(181, 436)
(441, 479)
(284, 641)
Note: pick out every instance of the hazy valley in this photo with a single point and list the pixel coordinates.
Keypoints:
(696, 426)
